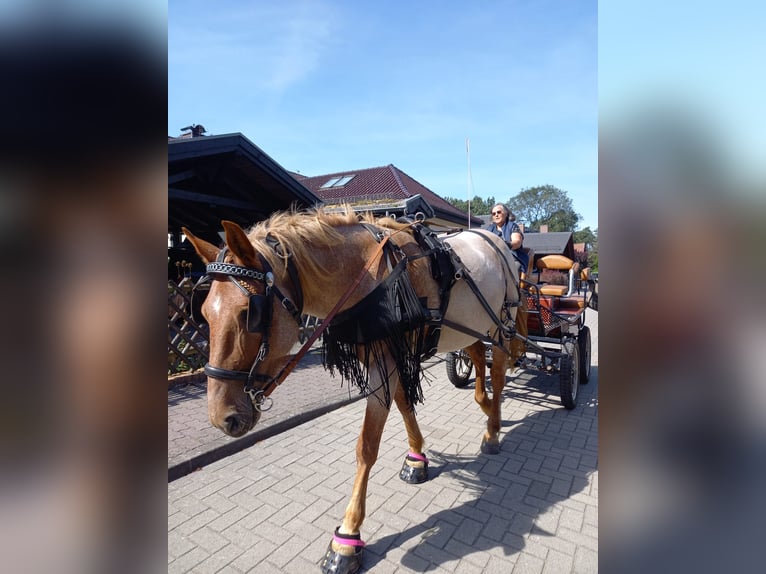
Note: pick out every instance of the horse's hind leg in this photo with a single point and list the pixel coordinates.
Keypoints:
(477, 354)
(415, 467)
(491, 442)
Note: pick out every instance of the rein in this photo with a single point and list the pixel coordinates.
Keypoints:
(287, 369)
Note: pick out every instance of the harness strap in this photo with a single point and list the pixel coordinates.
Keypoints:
(492, 315)
(297, 308)
(473, 333)
(500, 254)
(445, 268)
(374, 231)
(287, 369)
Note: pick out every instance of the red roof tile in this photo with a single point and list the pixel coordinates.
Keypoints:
(378, 183)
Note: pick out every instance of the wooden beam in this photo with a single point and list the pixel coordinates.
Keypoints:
(197, 197)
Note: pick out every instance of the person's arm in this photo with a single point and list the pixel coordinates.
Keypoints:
(517, 238)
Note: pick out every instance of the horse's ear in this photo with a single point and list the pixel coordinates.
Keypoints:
(238, 243)
(207, 251)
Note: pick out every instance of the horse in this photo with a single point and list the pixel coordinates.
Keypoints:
(354, 271)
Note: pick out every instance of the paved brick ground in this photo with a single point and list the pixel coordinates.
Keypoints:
(193, 441)
(271, 508)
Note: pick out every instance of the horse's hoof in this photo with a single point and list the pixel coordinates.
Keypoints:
(414, 474)
(334, 563)
(490, 447)
(337, 563)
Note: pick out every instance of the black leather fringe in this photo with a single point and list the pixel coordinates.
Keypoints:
(390, 321)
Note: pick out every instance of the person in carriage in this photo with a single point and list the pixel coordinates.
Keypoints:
(504, 225)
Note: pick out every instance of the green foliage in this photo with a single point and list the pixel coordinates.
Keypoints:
(586, 236)
(479, 206)
(593, 260)
(545, 205)
(590, 238)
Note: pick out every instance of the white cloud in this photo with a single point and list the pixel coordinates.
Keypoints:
(251, 46)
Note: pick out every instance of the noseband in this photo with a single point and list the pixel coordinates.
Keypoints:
(258, 317)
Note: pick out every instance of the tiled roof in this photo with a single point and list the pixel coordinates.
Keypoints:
(559, 242)
(376, 184)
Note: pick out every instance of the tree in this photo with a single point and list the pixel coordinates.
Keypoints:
(590, 239)
(479, 206)
(593, 260)
(545, 205)
(586, 236)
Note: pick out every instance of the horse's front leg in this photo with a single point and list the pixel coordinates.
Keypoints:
(344, 556)
(491, 442)
(415, 467)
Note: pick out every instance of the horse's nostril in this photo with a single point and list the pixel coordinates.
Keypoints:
(232, 423)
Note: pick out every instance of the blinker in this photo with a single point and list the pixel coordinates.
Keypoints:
(256, 309)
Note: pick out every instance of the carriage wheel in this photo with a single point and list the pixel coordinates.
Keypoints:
(459, 367)
(570, 374)
(583, 343)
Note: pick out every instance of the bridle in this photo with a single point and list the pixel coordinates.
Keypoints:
(259, 314)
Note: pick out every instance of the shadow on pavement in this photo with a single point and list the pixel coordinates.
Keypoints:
(508, 506)
(186, 392)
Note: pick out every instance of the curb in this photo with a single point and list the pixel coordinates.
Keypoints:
(185, 467)
(188, 378)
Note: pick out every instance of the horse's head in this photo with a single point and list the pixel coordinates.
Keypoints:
(251, 331)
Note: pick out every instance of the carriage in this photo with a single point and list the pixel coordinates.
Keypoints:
(557, 341)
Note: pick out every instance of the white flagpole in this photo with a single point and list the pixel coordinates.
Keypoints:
(468, 155)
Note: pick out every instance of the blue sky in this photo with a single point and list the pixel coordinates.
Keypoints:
(331, 85)
(701, 62)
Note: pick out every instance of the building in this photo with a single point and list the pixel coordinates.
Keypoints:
(547, 242)
(212, 178)
(216, 177)
(384, 191)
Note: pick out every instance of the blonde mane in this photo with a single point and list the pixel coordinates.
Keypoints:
(299, 232)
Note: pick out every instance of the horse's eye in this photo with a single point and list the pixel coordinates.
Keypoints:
(243, 316)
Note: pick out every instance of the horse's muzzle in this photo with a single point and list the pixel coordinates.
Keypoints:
(234, 425)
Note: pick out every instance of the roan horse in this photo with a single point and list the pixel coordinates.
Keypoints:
(319, 263)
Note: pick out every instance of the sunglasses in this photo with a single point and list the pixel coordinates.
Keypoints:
(497, 213)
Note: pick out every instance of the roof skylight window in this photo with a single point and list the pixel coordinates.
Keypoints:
(337, 181)
(343, 180)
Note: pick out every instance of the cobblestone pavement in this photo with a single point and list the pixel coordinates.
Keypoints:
(272, 507)
(193, 442)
